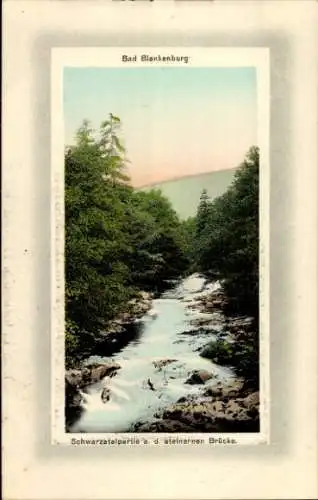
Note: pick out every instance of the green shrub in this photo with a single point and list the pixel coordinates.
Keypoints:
(242, 356)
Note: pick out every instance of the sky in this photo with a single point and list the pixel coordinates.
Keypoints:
(176, 121)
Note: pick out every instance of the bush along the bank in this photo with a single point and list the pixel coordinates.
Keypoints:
(242, 356)
(118, 241)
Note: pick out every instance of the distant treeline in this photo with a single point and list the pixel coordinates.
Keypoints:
(119, 241)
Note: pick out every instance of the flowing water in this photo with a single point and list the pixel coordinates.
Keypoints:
(140, 387)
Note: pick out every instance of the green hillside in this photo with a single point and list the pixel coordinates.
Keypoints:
(184, 193)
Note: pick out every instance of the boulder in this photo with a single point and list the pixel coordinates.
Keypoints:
(225, 390)
(105, 395)
(101, 371)
(73, 378)
(252, 400)
(146, 295)
(90, 374)
(199, 377)
(163, 362)
(194, 415)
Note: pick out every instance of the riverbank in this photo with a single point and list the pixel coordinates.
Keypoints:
(231, 407)
(116, 332)
(77, 380)
(225, 406)
(83, 375)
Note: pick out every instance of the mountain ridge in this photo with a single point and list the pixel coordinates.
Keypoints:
(184, 192)
(187, 176)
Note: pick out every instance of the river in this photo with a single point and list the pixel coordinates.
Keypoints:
(140, 388)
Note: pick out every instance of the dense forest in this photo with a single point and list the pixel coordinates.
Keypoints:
(117, 240)
(226, 248)
(225, 243)
(120, 241)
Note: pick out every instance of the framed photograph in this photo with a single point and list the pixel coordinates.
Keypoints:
(159, 249)
(161, 174)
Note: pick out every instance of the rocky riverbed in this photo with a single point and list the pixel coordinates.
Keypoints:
(181, 373)
(227, 406)
(87, 374)
(116, 331)
(223, 408)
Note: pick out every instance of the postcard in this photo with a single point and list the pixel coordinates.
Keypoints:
(159, 249)
(160, 271)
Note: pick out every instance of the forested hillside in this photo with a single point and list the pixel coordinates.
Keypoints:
(226, 248)
(225, 243)
(117, 240)
(184, 193)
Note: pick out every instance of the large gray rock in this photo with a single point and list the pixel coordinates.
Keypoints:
(74, 378)
(99, 372)
(90, 374)
(199, 377)
(105, 395)
(252, 400)
(223, 390)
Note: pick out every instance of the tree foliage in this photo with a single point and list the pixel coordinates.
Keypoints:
(117, 240)
(226, 248)
(227, 231)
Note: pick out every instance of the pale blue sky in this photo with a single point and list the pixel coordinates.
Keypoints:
(175, 121)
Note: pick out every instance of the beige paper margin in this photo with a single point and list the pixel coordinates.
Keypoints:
(257, 58)
(287, 467)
